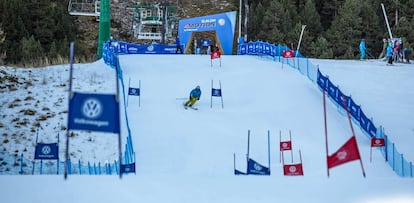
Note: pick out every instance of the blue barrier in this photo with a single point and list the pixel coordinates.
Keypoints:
(395, 159)
(28, 167)
(110, 56)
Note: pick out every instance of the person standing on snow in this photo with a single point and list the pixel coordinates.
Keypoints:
(384, 49)
(178, 45)
(362, 49)
(194, 96)
(389, 53)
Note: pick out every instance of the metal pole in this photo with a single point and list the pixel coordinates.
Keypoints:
(386, 20)
(240, 16)
(246, 18)
(71, 58)
(326, 130)
(119, 114)
(221, 96)
(300, 40)
(268, 147)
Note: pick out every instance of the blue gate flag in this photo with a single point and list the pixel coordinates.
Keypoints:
(216, 92)
(256, 169)
(128, 168)
(133, 91)
(237, 172)
(46, 151)
(95, 112)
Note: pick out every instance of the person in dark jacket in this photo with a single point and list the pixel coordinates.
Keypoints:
(178, 45)
(194, 96)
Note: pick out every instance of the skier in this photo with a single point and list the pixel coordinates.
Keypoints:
(362, 49)
(194, 96)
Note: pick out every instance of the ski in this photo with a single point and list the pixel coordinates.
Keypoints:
(194, 108)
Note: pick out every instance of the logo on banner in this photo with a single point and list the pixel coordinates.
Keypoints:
(293, 170)
(92, 108)
(96, 112)
(257, 167)
(215, 54)
(285, 146)
(377, 142)
(341, 155)
(46, 151)
(216, 92)
(221, 21)
(287, 54)
(150, 48)
(128, 168)
(133, 91)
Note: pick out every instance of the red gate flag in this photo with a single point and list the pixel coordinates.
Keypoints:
(215, 54)
(377, 142)
(348, 152)
(285, 145)
(288, 54)
(293, 170)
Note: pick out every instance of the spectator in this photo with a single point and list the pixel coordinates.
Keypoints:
(384, 49)
(362, 49)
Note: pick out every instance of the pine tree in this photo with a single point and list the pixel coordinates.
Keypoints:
(370, 25)
(329, 11)
(311, 19)
(256, 21)
(346, 30)
(31, 50)
(320, 49)
(270, 25)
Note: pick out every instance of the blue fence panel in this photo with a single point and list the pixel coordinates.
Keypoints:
(354, 110)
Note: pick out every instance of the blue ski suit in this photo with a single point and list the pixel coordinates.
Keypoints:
(362, 49)
(195, 95)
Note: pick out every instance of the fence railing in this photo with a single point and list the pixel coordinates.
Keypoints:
(26, 166)
(395, 159)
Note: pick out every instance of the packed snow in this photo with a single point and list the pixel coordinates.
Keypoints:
(187, 155)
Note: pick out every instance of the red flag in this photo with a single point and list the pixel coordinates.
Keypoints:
(348, 152)
(377, 142)
(285, 145)
(293, 170)
(215, 54)
(288, 54)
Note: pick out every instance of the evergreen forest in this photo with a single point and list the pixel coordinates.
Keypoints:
(38, 32)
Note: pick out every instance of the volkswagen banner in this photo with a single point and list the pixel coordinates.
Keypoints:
(95, 112)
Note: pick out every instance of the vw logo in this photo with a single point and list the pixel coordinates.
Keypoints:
(92, 108)
(150, 48)
(133, 91)
(257, 167)
(46, 150)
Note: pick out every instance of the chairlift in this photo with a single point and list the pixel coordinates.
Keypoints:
(84, 8)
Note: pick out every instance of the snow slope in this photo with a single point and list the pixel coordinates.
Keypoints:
(187, 156)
